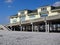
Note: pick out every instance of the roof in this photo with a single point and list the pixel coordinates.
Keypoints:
(58, 7)
(32, 11)
(16, 15)
(24, 10)
(43, 6)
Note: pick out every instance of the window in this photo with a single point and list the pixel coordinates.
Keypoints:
(58, 28)
(14, 20)
(43, 9)
(32, 16)
(43, 15)
(22, 12)
(23, 18)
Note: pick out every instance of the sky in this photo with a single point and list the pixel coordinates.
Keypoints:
(11, 7)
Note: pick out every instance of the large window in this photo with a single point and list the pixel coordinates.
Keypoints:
(43, 9)
(54, 27)
(23, 18)
(22, 12)
(58, 27)
(32, 16)
(44, 12)
(43, 15)
(14, 20)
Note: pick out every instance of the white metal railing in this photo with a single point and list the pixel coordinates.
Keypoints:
(33, 20)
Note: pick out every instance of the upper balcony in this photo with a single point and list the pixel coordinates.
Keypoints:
(33, 20)
(42, 19)
(14, 16)
(54, 17)
(55, 9)
(23, 12)
(32, 12)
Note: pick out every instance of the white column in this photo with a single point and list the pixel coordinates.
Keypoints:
(32, 26)
(14, 28)
(11, 27)
(46, 27)
(21, 28)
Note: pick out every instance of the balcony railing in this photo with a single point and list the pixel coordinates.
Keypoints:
(38, 19)
(33, 20)
(32, 13)
(53, 17)
(13, 24)
(42, 19)
(54, 10)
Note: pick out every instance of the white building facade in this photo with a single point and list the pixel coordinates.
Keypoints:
(43, 19)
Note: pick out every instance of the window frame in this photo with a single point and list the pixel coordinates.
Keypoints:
(44, 9)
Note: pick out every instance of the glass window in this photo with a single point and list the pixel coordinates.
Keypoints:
(58, 28)
(23, 18)
(43, 15)
(15, 20)
(32, 16)
(43, 9)
(22, 12)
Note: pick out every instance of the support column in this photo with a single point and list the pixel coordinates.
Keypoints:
(14, 29)
(46, 24)
(38, 27)
(50, 27)
(46, 27)
(21, 28)
(32, 26)
(11, 27)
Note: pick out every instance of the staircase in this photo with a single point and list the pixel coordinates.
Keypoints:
(2, 27)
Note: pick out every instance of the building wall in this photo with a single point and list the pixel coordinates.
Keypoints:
(33, 16)
(14, 20)
(50, 12)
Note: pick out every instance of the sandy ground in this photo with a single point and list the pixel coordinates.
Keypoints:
(29, 38)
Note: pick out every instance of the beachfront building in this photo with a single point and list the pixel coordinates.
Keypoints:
(42, 19)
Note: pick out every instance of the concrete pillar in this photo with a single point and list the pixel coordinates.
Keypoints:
(21, 28)
(14, 29)
(32, 26)
(38, 27)
(46, 27)
(11, 27)
(50, 26)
